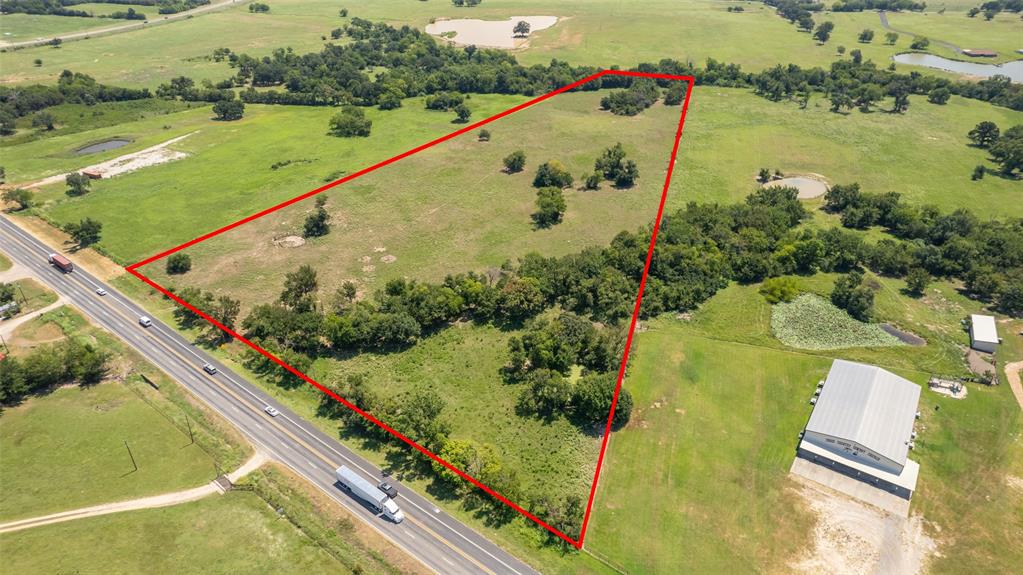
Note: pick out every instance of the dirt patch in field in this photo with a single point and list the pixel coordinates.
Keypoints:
(388, 259)
(810, 185)
(289, 242)
(853, 538)
(30, 335)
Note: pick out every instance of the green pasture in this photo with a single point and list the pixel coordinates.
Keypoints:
(79, 433)
(26, 27)
(729, 135)
(233, 533)
(714, 432)
(5, 263)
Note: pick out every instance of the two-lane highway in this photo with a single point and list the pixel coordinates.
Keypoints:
(442, 543)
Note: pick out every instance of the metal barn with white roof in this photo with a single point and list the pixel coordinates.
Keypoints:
(983, 333)
(862, 426)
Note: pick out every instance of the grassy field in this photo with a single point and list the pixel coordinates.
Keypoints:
(25, 27)
(708, 450)
(729, 135)
(419, 366)
(705, 458)
(719, 402)
(32, 295)
(596, 32)
(5, 264)
(80, 432)
(463, 365)
(229, 174)
(433, 194)
(234, 533)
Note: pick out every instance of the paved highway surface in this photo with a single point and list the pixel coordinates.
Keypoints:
(435, 538)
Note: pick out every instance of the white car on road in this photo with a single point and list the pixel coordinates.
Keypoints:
(145, 321)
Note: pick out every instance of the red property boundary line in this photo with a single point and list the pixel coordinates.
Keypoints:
(133, 269)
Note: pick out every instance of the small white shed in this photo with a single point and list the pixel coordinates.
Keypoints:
(983, 333)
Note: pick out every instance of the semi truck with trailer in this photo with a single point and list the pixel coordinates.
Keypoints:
(62, 263)
(366, 491)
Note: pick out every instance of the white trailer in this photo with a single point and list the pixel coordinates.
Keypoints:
(366, 491)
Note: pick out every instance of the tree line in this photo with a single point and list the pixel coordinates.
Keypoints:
(60, 7)
(986, 255)
(47, 366)
(71, 88)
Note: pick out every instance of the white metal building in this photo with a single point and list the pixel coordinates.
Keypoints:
(862, 426)
(983, 333)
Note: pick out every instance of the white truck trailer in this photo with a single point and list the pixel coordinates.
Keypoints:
(366, 491)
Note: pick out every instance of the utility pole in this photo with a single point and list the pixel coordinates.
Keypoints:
(4, 343)
(131, 456)
(23, 298)
(190, 435)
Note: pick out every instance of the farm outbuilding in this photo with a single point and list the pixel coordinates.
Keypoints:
(862, 427)
(983, 333)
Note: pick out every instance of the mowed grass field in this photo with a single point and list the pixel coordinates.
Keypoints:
(463, 364)
(729, 135)
(65, 449)
(707, 454)
(451, 208)
(25, 27)
(595, 32)
(233, 533)
(229, 173)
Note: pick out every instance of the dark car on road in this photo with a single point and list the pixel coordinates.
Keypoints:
(389, 489)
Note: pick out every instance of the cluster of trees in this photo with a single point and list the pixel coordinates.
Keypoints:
(184, 88)
(78, 184)
(541, 360)
(47, 366)
(20, 197)
(796, 11)
(85, 233)
(179, 263)
(550, 206)
(131, 14)
(72, 88)
(1006, 148)
(47, 7)
(886, 5)
(466, 3)
(986, 255)
(316, 223)
(259, 7)
(221, 308)
(612, 165)
(639, 96)
(823, 31)
(350, 122)
(228, 110)
(858, 83)
(850, 294)
(993, 7)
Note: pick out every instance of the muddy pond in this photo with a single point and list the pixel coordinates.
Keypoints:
(111, 144)
(1014, 69)
(489, 33)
